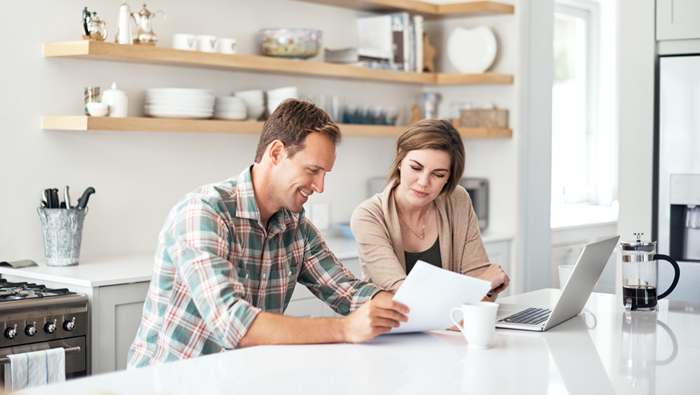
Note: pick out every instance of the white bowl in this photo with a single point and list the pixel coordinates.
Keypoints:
(98, 109)
(286, 92)
(234, 116)
(250, 95)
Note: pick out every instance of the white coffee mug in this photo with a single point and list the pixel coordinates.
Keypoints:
(479, 323)
(206, 43)
(564, 274)
(226, 45)
(187, 42)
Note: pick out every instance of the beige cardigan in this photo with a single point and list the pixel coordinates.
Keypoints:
(375, 225)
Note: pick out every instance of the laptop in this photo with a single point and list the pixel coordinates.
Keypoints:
(573, 297)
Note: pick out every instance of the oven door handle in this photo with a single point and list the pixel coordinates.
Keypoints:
(69, 350)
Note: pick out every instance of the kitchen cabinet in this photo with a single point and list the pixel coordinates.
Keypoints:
(119, 308)
(677, 20)
(498, 251)
(94, 50)
(567, 245)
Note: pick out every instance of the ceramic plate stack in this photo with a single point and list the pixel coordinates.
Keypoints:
(179, 103)
(230, 107)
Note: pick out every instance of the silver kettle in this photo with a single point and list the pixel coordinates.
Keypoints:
(93, 27)
(144, 20)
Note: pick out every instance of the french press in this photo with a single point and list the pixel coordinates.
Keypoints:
(640, 274)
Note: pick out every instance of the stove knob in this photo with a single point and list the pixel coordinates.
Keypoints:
(11, 333)
(69, 325)
(50, 327)
(30, 330)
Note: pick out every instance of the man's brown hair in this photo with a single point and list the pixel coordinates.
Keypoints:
(431, 134)
(291, 122)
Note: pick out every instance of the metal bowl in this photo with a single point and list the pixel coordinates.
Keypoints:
(290, 43)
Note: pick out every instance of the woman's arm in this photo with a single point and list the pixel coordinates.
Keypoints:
(377, 256)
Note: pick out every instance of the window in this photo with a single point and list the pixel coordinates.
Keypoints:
(584, 157)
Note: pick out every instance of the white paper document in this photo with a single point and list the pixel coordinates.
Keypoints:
(431, 293)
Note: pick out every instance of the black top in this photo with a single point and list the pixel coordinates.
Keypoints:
(431, 256)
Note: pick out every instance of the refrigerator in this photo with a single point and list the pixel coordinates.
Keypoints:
(677, 173)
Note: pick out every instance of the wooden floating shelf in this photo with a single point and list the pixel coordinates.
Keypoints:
(100, 50)
(428, 10)
(81, 122)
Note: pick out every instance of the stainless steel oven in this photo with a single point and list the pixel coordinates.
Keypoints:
(33, 318)
(478, 189)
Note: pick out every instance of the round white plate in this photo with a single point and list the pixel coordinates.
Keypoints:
(472, 50)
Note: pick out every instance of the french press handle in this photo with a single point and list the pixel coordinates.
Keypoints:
(676, 275)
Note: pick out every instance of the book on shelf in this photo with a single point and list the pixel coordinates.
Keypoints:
(394, 38)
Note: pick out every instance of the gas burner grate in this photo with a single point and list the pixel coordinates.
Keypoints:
(21, 291)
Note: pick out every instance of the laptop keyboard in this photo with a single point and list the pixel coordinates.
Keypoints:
(532, 316)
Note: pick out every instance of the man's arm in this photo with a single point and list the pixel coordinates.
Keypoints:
(373, 318)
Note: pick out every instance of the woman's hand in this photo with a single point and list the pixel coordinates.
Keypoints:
(498, 278)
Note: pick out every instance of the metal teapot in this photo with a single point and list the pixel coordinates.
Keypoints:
(144, 19)
(93, 27)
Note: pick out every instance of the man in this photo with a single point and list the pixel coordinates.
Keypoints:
(230, 253)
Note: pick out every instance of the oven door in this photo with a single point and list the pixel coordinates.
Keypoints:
(75, 361)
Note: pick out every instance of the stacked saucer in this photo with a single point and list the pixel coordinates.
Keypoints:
(179, 103)
(230, 107)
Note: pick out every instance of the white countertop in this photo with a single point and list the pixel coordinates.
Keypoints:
(602, 351)
(125, 269)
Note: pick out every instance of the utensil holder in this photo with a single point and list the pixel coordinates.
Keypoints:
(63, 233)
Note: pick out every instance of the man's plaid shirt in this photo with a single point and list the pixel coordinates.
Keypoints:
(216, 268)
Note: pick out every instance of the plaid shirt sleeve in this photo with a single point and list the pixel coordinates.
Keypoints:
(326, 277)
(198, 243)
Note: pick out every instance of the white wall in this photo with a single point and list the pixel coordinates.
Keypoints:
(139, 176)
(636, 116)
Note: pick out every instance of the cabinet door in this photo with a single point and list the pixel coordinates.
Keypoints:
(499, 253)
(677, 19)
(569, 254)
(119, 309)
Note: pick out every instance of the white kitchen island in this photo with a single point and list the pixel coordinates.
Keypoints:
(602, 351)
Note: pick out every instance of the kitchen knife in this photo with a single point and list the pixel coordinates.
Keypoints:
(82, 202)
(43, 202)
(54, 198)
(49, 198)
(66, 197)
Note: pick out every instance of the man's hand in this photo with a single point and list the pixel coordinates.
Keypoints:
(498, 278)
(374, 318)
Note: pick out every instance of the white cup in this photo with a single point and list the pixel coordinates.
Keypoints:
(226, 45)
(187, 42)
(206, 43)
(479, 323)
(564, 274)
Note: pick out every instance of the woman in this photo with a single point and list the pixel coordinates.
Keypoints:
(423, 214)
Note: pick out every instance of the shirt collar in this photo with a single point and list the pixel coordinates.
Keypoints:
(247, 206)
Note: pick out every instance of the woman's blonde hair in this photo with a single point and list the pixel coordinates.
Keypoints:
(431, 134)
